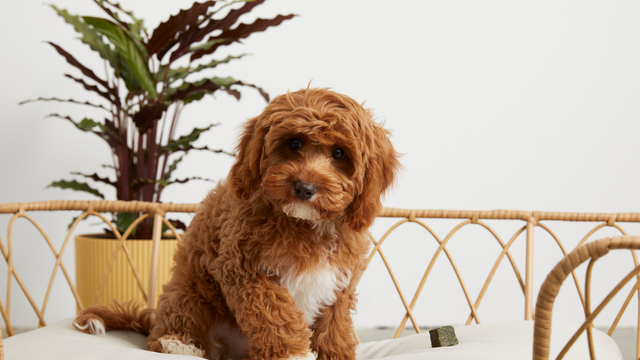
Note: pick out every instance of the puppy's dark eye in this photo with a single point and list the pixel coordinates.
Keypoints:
(338, 154)
(295, 144)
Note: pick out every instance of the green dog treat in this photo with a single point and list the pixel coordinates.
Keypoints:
(444, 336)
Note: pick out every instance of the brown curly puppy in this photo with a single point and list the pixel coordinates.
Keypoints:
(265, 270)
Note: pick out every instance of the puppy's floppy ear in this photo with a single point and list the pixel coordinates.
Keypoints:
(379, 175)
(244, 177)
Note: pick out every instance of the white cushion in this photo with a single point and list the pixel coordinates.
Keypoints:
(60, 341)
(509, 341)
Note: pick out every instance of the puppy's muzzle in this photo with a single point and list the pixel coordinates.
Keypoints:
(304, 191)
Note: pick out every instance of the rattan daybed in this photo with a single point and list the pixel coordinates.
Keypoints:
(530, 336)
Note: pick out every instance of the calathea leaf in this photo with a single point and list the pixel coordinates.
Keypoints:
(94, 40)
(75, 185)
(240, 32)
(90, 37)
(106, 132)
(137, 21)
(195, 34)
(179, 225)
(206, 148)
(181, 72)
(207, 45)
(110, 13)
(123, 220)
(164, 36)
(134, 30)
(128, 50)
(182, 181)
(64, 100)
(185, 140)
(92, 88)
(131, 29)
(137, 184)
(148, 114)
(172, 168)
(186, 89)
(189, 92)
(88, 125)
(85, 125)
(96, 177)
(86, 71)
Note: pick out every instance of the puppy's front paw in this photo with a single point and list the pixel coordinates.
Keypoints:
(309, 356)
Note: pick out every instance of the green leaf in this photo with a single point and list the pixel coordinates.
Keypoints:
(171, 169)
(73, 221)
(134, 29)
(128, 50)
(77, 186)
(123, 220)
(89, 37)
(139, 22)
(207, 45)
(94, 39)
(88, 125)
(184, 141)
(106, 131)
(195, 91)
(207, 86)
(181, 73)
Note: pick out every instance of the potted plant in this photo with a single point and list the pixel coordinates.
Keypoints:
(143, 94)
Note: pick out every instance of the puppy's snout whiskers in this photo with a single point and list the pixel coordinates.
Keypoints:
(305, 191)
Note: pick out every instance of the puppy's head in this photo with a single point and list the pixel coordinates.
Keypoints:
(316, 155)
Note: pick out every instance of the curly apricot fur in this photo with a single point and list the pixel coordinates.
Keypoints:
(226, 295)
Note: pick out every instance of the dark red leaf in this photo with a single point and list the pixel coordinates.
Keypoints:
(164, 36)
(196, 34)
(109, 132)
(234, 93)
(91, 88)
(207, 85)
(148, 114)
(217, 151)
(86, 71)
(95, 177)
(262, 92)
(113, 140)
(64, 100)
(113, 16)
(240, 32)
(178, 224)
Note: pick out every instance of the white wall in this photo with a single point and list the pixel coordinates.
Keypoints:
(495, 104)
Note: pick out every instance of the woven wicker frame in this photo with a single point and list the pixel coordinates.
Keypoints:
(593, 250)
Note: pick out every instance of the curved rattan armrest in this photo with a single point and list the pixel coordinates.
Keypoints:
(551, 287)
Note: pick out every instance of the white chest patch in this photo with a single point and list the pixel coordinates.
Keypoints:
(315, 289)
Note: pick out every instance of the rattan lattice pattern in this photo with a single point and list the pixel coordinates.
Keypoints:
(530, 221)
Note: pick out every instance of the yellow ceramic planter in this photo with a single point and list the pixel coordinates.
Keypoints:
(93, 253)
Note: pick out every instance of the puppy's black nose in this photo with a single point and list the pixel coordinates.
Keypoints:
(305, 191)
